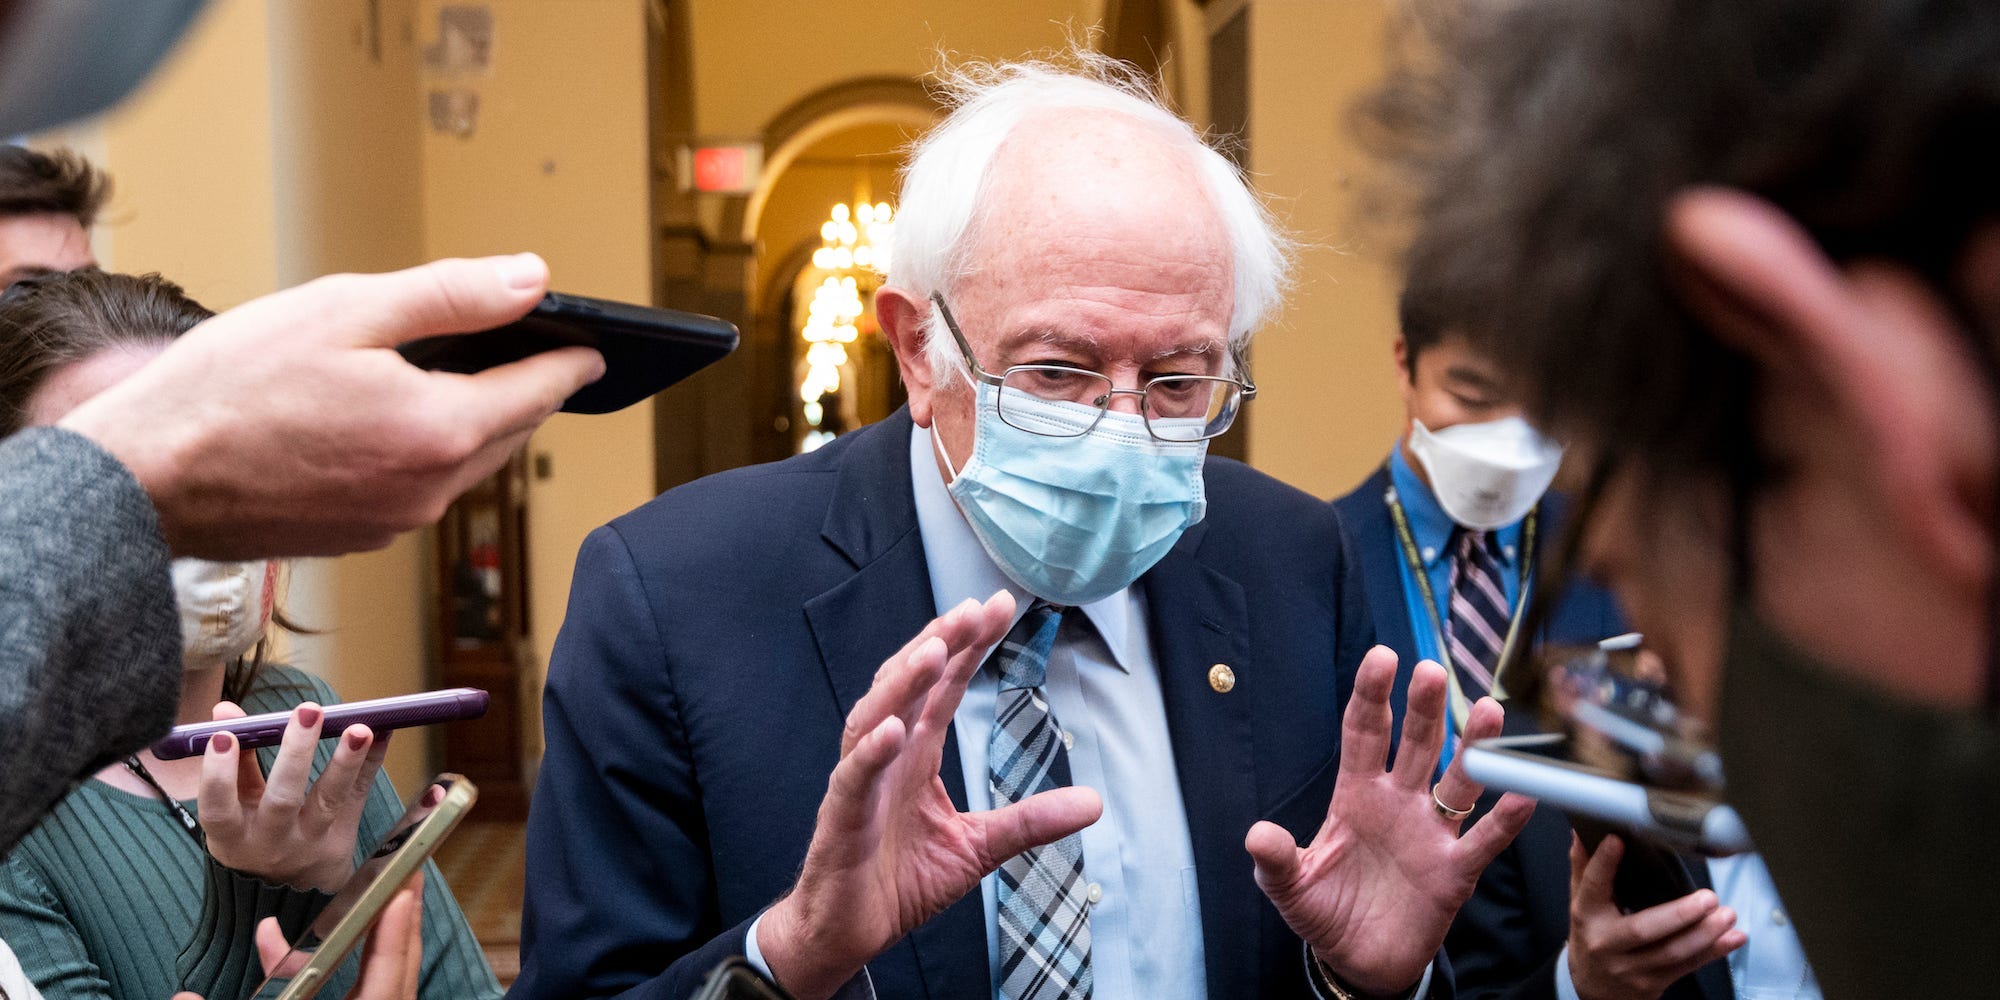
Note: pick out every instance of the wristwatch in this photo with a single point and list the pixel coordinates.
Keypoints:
(1329, 985)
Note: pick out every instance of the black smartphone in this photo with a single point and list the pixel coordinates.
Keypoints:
(645, 349)
(735, 979)
(1648, 874)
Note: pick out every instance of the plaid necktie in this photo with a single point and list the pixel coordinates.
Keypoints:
(1044, 917)
(1480, 614)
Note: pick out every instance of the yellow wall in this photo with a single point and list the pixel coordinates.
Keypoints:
(1327, 408)
(272, 149)
(754, 59)
(191, 159)
(558, 163)
(347, 161)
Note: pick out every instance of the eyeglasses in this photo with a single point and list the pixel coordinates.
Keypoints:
(1180, 408)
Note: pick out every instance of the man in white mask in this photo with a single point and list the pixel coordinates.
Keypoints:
(1447, 530)
(1076, 274)
(1447, 533)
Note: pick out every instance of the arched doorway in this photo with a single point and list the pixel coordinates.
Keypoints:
(835, 145)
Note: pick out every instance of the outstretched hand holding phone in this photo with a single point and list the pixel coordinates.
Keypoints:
(289, 426)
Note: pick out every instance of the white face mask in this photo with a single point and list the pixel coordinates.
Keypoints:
(224, 608)
(1488, 475)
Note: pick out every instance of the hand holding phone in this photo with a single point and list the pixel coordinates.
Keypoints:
(289, 827)
(645, 349)
(432, 815)
(1615, 950)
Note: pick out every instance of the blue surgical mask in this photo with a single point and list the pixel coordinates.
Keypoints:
(1074, 519)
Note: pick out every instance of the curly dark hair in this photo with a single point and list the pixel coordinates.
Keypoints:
(59, 182)
(1538, 144)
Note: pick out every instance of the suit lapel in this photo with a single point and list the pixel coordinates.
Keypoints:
(863, 620)
(1199, 619)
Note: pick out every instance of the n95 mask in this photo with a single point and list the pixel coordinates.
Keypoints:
(1486, 475)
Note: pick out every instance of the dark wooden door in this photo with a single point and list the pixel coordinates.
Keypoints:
(482, 624)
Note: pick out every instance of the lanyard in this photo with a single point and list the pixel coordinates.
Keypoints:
(174, 806)
(1461, 707)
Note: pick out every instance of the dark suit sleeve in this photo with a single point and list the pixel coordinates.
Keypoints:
(620, 892)
(1509, 935)
(90, 642)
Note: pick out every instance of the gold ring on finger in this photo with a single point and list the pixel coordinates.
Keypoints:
(1446, 811)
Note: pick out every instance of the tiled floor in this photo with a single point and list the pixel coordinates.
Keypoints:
(485, 863)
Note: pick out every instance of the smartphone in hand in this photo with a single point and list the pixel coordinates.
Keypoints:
(341, 927)
(645, 349)
(380, 714)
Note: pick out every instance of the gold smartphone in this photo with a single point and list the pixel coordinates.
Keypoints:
(340, 928)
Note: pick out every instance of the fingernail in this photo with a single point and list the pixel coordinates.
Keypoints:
(523, 270)
(309, 715)
(223, 741)
(357, 738)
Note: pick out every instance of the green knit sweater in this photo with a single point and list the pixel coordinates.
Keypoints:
(110, 898)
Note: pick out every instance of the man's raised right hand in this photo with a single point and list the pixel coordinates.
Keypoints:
(890, 851)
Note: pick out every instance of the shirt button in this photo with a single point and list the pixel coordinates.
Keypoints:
(1778, 917)
(1069, 740)
(1095, 892)
(1430, 553)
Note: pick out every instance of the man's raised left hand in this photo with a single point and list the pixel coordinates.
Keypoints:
(1376, 890)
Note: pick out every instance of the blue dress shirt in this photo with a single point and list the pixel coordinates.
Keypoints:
(1103, 687)
(1431, 528)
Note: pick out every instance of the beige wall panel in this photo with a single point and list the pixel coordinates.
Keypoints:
(557, 163)
(755, 57)
(1328, 407)
(191, 154)
(348, 173)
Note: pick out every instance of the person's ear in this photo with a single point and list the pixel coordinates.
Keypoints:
(901, 316)
(1873, 340)
(1407, 385)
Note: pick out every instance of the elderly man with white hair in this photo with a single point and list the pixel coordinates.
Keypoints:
(1092, 782)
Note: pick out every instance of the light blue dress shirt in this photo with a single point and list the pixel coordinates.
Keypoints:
(1772, 964)
(1103, 687)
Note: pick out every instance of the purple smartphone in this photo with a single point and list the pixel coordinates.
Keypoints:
(400, 712)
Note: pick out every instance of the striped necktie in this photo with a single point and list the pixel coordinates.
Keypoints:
(1044, 917)
(1480, 614)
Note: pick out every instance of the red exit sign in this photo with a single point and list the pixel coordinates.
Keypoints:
(722, 169)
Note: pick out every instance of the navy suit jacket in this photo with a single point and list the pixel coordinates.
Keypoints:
(718, 636)
(1510, 933)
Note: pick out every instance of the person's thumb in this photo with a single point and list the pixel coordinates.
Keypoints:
(386, 310)
(1275, 855)
(273, 950)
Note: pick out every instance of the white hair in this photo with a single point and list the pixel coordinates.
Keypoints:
(945, 184)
